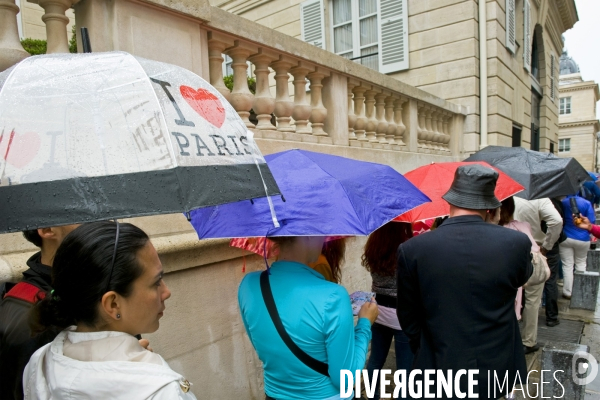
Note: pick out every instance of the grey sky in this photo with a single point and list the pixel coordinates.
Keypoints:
(583, 40)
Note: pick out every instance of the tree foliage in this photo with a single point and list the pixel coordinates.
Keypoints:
(228, 80)
(38, 46)
(34, 46)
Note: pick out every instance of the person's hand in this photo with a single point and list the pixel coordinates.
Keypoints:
(145, 343)
(543, 250)
(583, 223)
(369, 311)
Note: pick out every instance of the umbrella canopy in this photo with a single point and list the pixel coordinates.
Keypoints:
(322, 195)
(542, 174)
(87, 137)
(435, 180)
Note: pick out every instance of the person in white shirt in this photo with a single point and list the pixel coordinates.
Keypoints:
(108, 287)
(537, 213)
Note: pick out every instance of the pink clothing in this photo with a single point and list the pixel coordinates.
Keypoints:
(525, 228)
(595, 230)
(519, 303)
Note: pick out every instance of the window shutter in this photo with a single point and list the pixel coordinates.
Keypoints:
(527, 35)
(392, 23)
(312, 21)
(511, 26)
(552, 77)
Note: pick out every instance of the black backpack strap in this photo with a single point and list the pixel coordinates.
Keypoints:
(267, 294)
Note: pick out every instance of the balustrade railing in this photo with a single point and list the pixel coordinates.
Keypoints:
(372, 110)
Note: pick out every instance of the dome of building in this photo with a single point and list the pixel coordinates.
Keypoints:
(567, 64)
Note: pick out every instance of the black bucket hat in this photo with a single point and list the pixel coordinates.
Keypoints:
(473, 188)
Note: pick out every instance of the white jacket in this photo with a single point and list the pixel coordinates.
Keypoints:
(110, 365)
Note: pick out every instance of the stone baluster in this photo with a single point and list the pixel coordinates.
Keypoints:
(389, 117)
(11, 51)
(56, 24)
(382, 124)
(284, 106)
(446, 126)
(400, 127)
(351, 115)
(435, 140)
(302, 109)
(241, 98)
(428, 128)
(318, 112)
(215, 63)
(359, 110)
(370, 113)
(264, 103)
(421, 130)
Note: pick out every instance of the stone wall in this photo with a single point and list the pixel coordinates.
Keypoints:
(583, 144)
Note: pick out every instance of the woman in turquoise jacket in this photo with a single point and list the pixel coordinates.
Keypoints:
(316, 314)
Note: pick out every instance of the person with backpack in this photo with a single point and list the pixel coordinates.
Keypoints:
(16, 341)
(108, 288)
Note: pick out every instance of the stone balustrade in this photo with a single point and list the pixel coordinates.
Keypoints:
(372, 110)
(377, 117)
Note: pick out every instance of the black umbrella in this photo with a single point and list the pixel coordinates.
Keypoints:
(542, 174)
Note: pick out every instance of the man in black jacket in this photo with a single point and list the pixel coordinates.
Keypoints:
(16, 341)
(457, 287)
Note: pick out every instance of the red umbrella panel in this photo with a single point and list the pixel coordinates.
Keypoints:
(435, 180)
(258, 246)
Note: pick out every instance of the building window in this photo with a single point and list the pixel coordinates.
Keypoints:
(373, 33)
(355, 34)
(516, 136)
(564, 145)
(565, 105)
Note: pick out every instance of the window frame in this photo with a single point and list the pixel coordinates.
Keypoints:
(564, 145)
(355, 23)
(565, 106)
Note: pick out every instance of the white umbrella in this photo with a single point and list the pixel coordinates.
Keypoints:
(86, 137)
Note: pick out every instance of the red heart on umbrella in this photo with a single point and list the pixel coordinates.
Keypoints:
(204, 103)
(21, 149)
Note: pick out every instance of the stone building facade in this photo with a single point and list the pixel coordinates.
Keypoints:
(578, 123)
(439, 42)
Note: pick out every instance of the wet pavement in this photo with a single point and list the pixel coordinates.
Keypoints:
(577, 326)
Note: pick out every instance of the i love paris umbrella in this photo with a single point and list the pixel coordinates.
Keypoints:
(321, 195)
(542, 174)
(86, 137)
(435, 180)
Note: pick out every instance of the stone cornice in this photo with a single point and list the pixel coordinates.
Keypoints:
(581, 86)
(568, 13)
(579, 123)
(578, 87)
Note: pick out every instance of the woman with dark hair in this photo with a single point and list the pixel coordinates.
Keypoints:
(379, 259)
(314, 314)
(108, 287)
(330, 260)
